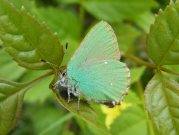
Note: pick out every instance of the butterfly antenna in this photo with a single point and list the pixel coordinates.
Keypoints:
(66, 47)
(53, 66)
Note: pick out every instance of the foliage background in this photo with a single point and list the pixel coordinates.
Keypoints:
(71, 20)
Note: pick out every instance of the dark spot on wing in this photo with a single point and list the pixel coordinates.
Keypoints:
(110, 104)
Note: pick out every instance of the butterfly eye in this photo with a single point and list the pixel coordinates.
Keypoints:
(64, 73)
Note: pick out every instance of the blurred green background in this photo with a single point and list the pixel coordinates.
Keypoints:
(71, 20)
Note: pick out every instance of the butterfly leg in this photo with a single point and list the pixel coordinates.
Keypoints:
(78, 103)
(68, 91)
(78, 93)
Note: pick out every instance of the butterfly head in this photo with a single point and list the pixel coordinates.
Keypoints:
(63, 87)
(62, 82)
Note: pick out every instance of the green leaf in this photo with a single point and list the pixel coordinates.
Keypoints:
(163, 40)
(145, 20)
(162, 102)
(173, 68)
(40, 92)
(117, 10)
(84, 126)
(136, 73)
(66, 26)
(56, 124)
(126, 35)
(72, 46)
(132, 120)
(10, 104)
(89, 113)
(89, 129)
(48, 119)
(69, 1)
(132, 98)
(64, 22)
(27, 40)
(8, 88)
(8, 65)
(28, 4)
(66, 132)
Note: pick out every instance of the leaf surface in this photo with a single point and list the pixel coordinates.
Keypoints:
(162, 102)
(118, 10)
(27, 40)
(11, 98)
(163, 40)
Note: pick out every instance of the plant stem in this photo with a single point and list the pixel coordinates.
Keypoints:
(169, 71)
(29, 84)
(140, 61)
(150, 65)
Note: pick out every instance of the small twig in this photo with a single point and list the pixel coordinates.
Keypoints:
(150, 65)
(38, 79)
(169, 71)
(29, 84)
(140, 61)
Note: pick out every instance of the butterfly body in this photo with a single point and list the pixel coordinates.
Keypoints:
(94, 71)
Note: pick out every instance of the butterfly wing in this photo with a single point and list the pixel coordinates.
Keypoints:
(105, 80)
(88, 67)
(99, 44)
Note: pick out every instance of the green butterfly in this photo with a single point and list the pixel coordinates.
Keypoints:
(94, 71)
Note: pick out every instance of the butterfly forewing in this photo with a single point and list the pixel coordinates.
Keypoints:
(99, 44)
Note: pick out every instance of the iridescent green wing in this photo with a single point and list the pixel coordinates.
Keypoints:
(99, 44)
(105, 80)
(94, 78)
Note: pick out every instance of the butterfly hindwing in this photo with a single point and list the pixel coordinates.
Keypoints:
(104, 80)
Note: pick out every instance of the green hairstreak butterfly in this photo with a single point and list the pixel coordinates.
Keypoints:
(94, 71)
